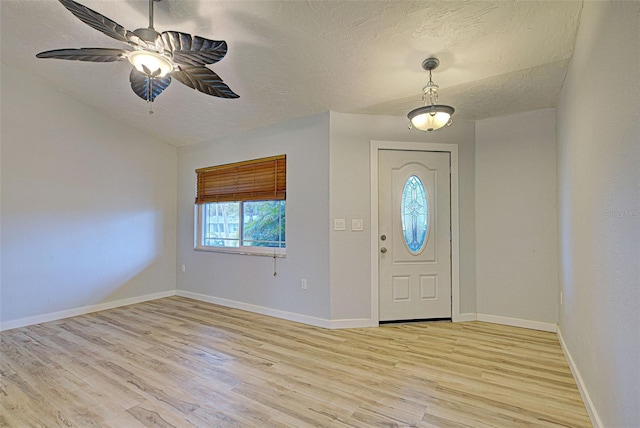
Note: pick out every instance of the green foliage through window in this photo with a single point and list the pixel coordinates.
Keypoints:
(264, 224)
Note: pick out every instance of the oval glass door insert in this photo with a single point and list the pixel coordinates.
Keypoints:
(415, 214)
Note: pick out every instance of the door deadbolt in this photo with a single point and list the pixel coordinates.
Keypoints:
(383, 250)
(383, 237)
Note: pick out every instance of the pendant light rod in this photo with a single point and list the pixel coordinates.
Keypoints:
(151, 14)
(430, 116)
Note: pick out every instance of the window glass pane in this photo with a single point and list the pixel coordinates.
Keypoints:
(264, 224)
(415, 213)
(220, 224)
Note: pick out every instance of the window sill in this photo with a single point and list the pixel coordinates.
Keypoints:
(248, 251)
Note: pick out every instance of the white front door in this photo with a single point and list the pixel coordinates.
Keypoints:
(414, 216)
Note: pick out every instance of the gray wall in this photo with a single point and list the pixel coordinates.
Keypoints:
(249, 279)
(516, 222)
(328, 176)
(88, 205)
(351, 136)
(599, 209)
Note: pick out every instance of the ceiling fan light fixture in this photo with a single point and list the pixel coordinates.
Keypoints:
(431, 116)
(152, 61)
(157, 58)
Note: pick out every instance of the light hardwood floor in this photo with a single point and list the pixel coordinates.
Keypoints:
(177, 362)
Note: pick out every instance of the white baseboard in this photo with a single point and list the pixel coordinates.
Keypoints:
(305, 319)
(357, 322)
(290, 316)
(466, 317)
(584, 393)
(516, 322)
(54, 316)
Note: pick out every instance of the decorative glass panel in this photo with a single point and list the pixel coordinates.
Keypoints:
(415, 214)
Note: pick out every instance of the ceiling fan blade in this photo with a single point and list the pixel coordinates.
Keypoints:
(147, 88)
(86, 54)
(101, 22)
(194, 50)
(204, 80)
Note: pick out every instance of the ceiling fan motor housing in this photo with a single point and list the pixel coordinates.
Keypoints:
(147, 34)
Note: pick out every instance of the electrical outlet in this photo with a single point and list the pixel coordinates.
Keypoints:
(303, 283)
(184, 268)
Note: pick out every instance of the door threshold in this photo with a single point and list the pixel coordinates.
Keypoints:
(415, 321)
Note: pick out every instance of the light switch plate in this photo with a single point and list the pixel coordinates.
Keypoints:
(357, 224)
(339, 224)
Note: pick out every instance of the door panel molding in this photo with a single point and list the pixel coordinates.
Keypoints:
(377, 145)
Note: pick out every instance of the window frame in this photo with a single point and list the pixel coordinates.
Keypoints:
(240, 249)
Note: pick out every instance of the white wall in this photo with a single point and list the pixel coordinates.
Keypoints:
(516, 242)
(351, 136)
(599, 210)
(88, 205)
(249, 280)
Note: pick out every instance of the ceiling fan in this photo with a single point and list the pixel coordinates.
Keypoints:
(156, 57)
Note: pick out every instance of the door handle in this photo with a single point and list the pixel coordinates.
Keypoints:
(383, 250)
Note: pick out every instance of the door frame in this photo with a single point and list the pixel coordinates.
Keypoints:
(452, 149)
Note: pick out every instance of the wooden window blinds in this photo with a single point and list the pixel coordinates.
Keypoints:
(253, 180)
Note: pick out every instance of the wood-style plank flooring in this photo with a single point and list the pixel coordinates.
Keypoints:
(177, 362)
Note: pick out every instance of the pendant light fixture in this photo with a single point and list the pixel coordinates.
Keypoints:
(431, 116)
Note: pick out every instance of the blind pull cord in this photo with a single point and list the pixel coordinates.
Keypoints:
(275, 195)
(275, 272)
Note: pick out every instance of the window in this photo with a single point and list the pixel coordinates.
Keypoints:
(262, 225)
(241, 207)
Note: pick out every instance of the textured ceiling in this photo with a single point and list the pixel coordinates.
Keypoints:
(290, 59)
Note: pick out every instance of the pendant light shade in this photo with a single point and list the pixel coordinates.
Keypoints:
(431, 116)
